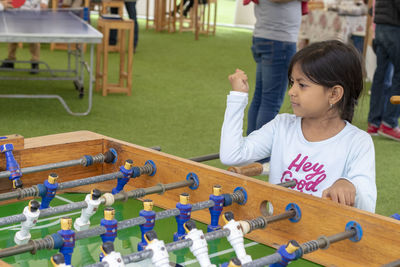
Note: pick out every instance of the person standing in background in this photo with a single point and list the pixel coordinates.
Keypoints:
(274, 43)
(383, 117)
(130, 6)
(33, 47)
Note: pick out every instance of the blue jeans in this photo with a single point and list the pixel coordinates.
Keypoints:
(384, 84)
(272, 58)
(358, 42)
(131, 8)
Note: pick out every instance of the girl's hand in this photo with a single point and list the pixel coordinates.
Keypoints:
(239, 82)
(342, 191)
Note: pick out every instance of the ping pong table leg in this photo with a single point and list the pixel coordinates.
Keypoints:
(80, 48)
(98, 61)
(106, 33)
(122, 49)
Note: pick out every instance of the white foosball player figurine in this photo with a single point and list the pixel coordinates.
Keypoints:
(160, 256)
(235, 237)
(199, 247)
(31, 213)
(93, 201)
(112, 257)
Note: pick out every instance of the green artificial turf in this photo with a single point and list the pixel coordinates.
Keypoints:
(178, 101)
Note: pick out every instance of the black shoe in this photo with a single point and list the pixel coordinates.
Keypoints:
(7, 65)
(35, 68)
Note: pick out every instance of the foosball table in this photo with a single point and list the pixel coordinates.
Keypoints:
(102, 191)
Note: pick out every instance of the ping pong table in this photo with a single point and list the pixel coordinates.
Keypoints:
(50, 26)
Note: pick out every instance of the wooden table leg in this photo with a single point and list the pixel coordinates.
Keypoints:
(196, 24)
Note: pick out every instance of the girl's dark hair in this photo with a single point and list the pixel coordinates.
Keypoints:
(331, 63)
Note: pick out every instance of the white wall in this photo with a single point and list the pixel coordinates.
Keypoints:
(141, 8)
(244, 15)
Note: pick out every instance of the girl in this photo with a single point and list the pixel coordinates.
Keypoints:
(316, 146)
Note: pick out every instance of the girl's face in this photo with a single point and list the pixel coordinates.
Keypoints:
(308, 99)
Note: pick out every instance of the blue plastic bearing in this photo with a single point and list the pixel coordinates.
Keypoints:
(396, 216)
(193, 176)
(58, 240)
(239, 188)
(89, 160)
(356, 226)
(114, 152)
(153, 165)
(296, 208)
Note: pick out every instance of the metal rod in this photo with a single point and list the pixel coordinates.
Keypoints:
(267, 260)
(138, 256)
(90, 180)
(392, 264)
(11, 195)
(262, 221)
(279, 217)
(34, 191)
(16, 250)
(307, 247)
(342, 236)
(288, 183)
(217, 234)
(99, 158)
(205, 157)
(69, 163)
(324, 242)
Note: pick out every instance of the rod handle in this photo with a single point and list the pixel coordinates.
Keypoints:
(252, 169)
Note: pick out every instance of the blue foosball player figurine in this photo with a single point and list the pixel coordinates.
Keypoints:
(51, 186)
(12, 165)
(68, 237)
(216, 210)
(288, 254)
(127, 172)
(185, 211)
(396, 216)
(111, 224)
(150, 215)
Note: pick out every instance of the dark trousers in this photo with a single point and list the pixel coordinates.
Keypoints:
(131, 8)
(387, 50)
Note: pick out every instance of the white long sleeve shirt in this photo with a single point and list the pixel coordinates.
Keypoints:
(314, 166)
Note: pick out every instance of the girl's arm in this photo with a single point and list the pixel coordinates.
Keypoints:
(234, 148)
(358, 184)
